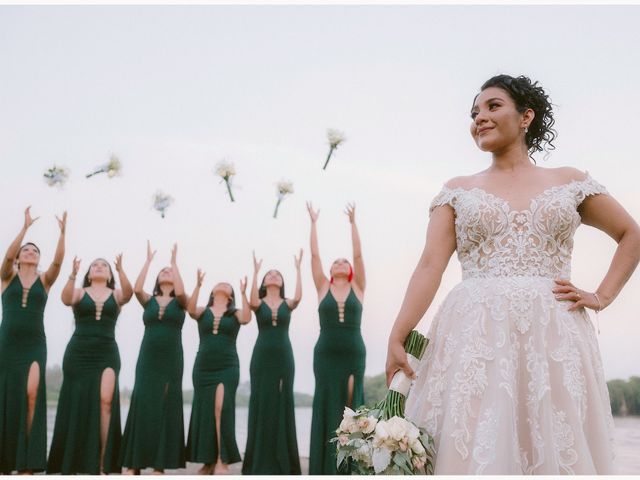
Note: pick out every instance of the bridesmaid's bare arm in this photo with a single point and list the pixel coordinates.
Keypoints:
(7, 270)
(53, 271)
(124, 294)
(193, 310)
(142, 296)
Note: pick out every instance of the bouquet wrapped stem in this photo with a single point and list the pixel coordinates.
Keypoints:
(226, 181)
(380, 440)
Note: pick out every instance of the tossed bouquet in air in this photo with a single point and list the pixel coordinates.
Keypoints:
(284, 188)
(112, 168)
(335, 138)
(56, 176)
(380, 440)
(226, 170)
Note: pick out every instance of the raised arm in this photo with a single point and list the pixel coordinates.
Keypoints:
(605, 213)
(7, 269)
(295, 301)
(244, 315)
(71, 295)
(53, 271)
(142, 296)
(439, 246)
(178, 284)
(319, 278)
(255, 298)
(193, 310)
(124, 294)
(359, 277)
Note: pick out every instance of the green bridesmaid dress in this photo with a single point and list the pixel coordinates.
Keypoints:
(272, 447)
(75, 447)
(154, 432)
(338, 354)
(22, 342)
(216, 363)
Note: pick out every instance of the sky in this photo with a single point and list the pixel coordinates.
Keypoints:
(172, 90)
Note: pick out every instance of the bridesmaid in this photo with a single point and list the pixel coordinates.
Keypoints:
(23, 353)
(86, 436)
(154, 433)
(339, 354)
(216, 372)
(272, 447)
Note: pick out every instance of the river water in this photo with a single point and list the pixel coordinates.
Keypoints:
(627, 434)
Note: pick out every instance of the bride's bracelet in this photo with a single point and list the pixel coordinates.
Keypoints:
(599, 302)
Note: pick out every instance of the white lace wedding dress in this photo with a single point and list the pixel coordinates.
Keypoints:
(512, 382)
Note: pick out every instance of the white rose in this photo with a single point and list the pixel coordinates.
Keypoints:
(397, 428)
(348, 421)
(417, 447)
(367, 424)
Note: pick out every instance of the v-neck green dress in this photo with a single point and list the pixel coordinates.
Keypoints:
(22, 342)
(154, 433)
(272, 447)
(216, 363)
(75, 447)
(338, 354)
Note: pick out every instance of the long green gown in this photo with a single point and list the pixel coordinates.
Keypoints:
(154, 432)
(339, 353)
(216, 363)
(22, 342)
(272, 447)
(75, 447)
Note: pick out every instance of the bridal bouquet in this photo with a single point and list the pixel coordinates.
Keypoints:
(380, 440)
(335, 138)
(226, 170)
(162, 201)
(284, 188)
(112, 168)
(56, 176)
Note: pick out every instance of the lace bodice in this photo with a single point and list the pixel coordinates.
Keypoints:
(493, 240)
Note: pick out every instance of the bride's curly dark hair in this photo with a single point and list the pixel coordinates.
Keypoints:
(527, 94)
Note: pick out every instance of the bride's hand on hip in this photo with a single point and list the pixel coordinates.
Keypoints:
(397, 360)
(565, 290)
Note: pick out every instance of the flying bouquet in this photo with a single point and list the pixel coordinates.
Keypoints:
(335, 138)
(162, 201)
(380, 440)
(112, 168)
(56, 176)
(226, 170)
(285, 188)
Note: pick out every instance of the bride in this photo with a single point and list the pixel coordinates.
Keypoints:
(512, 380)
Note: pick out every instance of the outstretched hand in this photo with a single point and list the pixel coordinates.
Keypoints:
(62, 223)
(200, 277)
(350, 210)
(174, 253)
(313, 214)
(256, 263)
(150, 253)
(118, 263)
(76, 266)
(298, 260)
(28, 220)
(243, 285)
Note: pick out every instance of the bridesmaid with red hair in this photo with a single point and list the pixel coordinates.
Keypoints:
(339, 355)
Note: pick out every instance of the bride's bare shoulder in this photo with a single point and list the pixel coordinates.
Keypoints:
(566, 174)
(467, 181)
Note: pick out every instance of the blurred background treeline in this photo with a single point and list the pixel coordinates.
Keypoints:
(624, 394)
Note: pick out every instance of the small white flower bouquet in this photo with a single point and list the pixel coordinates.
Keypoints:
(379, 440)
(56, 176)
(226, 170)
(335, 138)
(162, 201)
(285, 188)
(112, 168)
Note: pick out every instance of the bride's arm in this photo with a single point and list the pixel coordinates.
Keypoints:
(605, 213)
(424, 283)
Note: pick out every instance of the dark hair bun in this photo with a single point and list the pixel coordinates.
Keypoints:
(527, 94)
